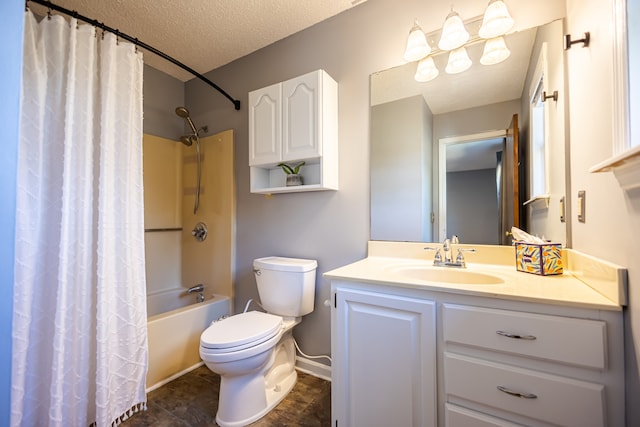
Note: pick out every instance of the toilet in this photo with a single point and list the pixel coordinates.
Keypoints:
(253, 352)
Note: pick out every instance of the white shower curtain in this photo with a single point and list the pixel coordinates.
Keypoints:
(79, 325)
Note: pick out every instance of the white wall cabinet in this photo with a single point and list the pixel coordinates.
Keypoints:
(291, 122)
(384, 366)
(497, 362)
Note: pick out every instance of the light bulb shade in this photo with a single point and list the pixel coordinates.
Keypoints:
(454, 34)
(495, 51)
(417, 46)
(458, 61)
(426, 70)
(497, 20)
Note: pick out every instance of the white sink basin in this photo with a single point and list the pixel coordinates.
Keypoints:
(446, 275)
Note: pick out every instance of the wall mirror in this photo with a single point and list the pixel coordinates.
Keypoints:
(446, 158)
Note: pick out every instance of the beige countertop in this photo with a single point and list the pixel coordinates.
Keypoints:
(602, 286)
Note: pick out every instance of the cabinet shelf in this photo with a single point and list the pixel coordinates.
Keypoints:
(270, 179)
(291, 189)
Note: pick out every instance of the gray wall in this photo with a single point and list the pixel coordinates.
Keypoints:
(330, 226)
(11, 30)
(401, 133)
(161, 95)
(471, 200)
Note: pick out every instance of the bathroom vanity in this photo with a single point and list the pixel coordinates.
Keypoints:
(417, 345)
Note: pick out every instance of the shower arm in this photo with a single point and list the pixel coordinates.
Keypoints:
(135, 41)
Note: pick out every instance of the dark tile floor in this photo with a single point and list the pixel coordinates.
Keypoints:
(192, 400)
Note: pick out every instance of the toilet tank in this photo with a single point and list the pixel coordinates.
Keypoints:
(286, 285)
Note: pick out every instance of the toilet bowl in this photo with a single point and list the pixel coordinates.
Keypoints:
(254, 352)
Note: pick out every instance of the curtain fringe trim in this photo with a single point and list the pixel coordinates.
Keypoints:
(138, 407)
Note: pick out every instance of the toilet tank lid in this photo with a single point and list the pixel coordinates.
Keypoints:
(285, 264)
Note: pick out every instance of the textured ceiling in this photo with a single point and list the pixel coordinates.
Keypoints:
(205, 34)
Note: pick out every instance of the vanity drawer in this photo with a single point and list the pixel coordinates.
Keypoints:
(571, 341)
(549, 398)
(457, 416)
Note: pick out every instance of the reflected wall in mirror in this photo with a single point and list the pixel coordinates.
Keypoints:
(441, 161)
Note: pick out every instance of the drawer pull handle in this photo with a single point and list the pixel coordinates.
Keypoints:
(516, 336)
(517, 393)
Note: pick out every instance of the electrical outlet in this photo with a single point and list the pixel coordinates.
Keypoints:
(581, 205)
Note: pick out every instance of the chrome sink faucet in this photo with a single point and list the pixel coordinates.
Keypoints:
(447, 249)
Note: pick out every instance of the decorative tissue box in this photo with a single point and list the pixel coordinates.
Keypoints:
(544, 259)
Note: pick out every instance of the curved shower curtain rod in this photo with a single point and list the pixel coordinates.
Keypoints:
(135, 41)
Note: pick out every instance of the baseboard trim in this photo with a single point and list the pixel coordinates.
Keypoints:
(173, 377)
(311, 367)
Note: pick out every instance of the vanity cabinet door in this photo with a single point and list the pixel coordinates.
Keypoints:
(384, 360)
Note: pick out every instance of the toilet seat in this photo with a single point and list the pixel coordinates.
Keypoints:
(240, 331)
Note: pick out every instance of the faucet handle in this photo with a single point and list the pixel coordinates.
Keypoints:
(460, 257)
(438, 256)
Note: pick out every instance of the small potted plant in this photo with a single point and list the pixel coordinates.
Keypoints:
(293, 176)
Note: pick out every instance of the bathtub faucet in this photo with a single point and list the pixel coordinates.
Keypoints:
(197, 288)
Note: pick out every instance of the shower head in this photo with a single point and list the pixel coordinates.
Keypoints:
(184, 113)
(187, 140)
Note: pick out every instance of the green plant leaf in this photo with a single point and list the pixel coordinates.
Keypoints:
(286, 168)
(291, 170)
(296, 169)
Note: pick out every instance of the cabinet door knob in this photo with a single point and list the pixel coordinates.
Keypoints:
(522, 395)
(516, 336)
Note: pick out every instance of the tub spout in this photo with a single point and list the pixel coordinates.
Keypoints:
(197, 288)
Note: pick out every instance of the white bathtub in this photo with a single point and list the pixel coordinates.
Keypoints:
(172, 299)
(174, 338)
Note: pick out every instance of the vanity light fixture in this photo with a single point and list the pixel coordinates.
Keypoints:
(497, 20)
(417, 46)
(426, 70)
(454, 37)
(495, 51)
(454, 34)
(458, 61)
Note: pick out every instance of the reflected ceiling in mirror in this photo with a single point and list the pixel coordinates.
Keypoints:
(479, 85)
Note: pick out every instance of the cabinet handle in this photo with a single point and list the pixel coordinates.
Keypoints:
(516, 336)
(516, 393)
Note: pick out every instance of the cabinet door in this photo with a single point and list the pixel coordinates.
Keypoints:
(301, 99)
(384, 368)
(265, 125)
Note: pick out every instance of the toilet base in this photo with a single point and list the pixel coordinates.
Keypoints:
(247, 398)
(273, 397)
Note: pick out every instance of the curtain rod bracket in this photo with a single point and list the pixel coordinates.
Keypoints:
(135, 41)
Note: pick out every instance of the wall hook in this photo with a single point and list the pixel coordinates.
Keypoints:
(584, 40)
(553, 96)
